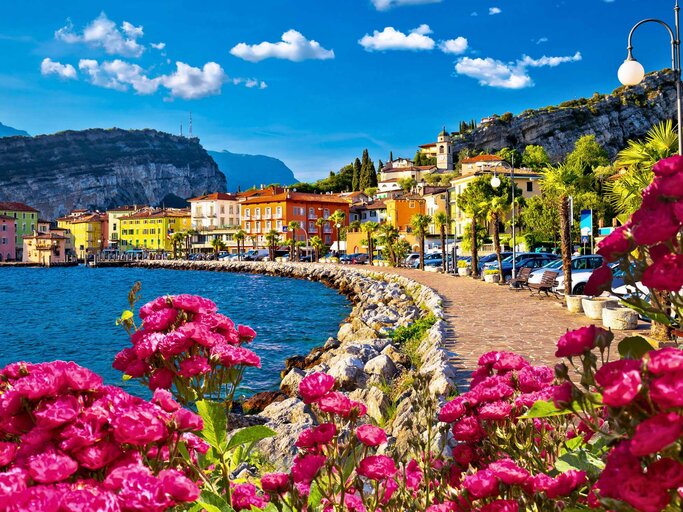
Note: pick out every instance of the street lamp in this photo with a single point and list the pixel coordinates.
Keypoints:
(632, 72)
(495, 183)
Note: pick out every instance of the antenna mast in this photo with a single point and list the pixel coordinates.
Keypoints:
(190, 124)
(181, 129)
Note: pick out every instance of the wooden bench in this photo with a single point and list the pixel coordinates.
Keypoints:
(547, 284)
(522, 279)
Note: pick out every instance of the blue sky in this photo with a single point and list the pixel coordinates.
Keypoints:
(312, 82)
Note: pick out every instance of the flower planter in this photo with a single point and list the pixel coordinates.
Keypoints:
(575, 303)
(593, 307)
(463, 271)
(492, 278)
(619, 318)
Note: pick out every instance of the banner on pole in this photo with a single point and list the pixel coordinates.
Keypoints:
(586, 223)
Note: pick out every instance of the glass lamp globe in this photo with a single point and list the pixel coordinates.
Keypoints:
(495, 182)
(631, 72)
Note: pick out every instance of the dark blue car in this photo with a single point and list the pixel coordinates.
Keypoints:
(523, 259)
(491, 258)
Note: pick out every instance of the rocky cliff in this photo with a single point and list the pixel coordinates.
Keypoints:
(627, 113)
(104, 168)
(246, 171)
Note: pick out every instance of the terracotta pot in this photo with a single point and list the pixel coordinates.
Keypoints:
(593, 307)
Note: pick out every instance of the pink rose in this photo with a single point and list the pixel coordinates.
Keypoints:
(178, 486)
(370, 435)
(306, 467)
(495, 411)
(193, 304)
(187, 420)
(453, 410)
(244, 497)
(507, 361)
(665, 274)
(277, 483)
(616, 244)
(666, 472)
(464, 454)
(468, 429)
(576, 342)
(562, 395)
(162, 378)
(672, 185)
(193, 366)
(534, 378)
(48, 468)
(160, 320)
(482, 484)
(653, 223)
(501, 506)
(314, 386)
(98, 455)
(377, 467)
(7, 452)
(491, 389)
(246, 333)
(164, 399)
(665, 360)
(656, 433)
(138, 426)
(335, 402)
(641, 493)
(317, 436)
(508, 472)
(668, 166)
(599, 281)
(620, 382)
(667, 390)
(153, 306)
(53, 413)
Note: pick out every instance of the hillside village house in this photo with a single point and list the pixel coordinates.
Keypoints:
(443, 150)
(25, 219)
(275, 207)
(151, 229)
(8, 237)
(45, 248)
(87, 230)
(215, 216)
(527, 180)
(114, 227)
(390, 176)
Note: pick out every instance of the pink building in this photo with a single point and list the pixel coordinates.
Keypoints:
(8, 237)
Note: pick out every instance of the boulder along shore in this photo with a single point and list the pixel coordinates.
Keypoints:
(367, 362)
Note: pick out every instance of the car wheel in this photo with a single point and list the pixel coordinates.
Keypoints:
(579, 288)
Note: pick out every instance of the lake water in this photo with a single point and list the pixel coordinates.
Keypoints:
(70, 313)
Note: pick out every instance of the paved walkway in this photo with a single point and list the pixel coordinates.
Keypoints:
(484, 317)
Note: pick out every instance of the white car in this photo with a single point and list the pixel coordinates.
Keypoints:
(582, 268)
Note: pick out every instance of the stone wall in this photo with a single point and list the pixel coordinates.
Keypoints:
(363, 358)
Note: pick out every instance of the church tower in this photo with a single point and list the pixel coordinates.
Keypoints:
(444, 151)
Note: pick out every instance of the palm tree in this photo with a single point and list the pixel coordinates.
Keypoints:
(292, 226)
(318, 244)
(420, 223)
(218, 245)
(239, 236)
(320, 224)
(389, 237)
(177, 239)
(253, 239)
(355, 225)
(337, 219)
(441, 221)
(290, 242)
(472, 201)
(369, 228)
(497, 207)
(188, 239)
(273, 238)
(299, 244)
(560, 182)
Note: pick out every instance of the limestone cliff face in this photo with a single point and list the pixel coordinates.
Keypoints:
(104, 168)
(627, 113)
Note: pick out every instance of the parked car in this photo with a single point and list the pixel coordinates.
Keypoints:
(411, 258)
(256, 255)
(491, 257)
(429, 259)
(524, 259)
(582, 268)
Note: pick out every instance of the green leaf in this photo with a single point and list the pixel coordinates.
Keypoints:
(582, 460)
(215, 424)
(250, 435)
(544, 409)
(212, 502)
(314, 496)
(574, 443)
(645, 309)
(635, 347)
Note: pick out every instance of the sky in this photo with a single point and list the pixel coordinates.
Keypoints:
(312, 82)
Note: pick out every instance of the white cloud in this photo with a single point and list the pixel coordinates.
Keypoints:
(494, 10)
(542, 40)
(454, 46)
(385, 5)
(392, 39)
(50, 67)
(191, 83)
(475, 13)
(294, 47)
(250, 83)
(158, 46)
(514, 75)
(119, 75)
(103, 33)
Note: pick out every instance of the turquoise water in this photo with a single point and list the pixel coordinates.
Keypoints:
(70, 313)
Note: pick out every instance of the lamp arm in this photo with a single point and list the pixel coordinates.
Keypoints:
(674, 41)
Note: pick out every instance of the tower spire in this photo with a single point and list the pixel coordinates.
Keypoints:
(190, 124)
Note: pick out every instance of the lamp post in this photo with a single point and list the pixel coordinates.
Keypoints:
(631, 72)
(495, 183)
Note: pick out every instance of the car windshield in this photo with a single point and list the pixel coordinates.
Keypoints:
(553, 264)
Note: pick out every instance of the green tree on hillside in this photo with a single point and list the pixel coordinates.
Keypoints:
(356, 175)
(535, 157)
(510, 155)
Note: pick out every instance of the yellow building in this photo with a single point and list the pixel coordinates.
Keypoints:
(114, 228)
(87, 231)
(152, 229)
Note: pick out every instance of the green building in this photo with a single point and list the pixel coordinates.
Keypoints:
(26, 221)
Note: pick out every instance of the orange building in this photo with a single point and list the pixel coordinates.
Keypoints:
(274, 208)
(401, 210)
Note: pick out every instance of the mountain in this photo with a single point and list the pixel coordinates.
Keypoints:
(8, 131)
(246, 171)
(104, 168)
(627, 113)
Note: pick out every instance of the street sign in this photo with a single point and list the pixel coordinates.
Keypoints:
(284, 229)
(585, 239)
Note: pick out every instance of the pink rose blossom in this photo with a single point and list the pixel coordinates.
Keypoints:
(314, 386)
(576, 342)
(138, 427)
(160, 320)
(370, 435)
(306, 467)
(48, 468)
(599, 281)
(335, 402)
(616, 244)
(277, 483)
(495, 411)
(162, 378)
(193, 304)
(665, 274)
(377, 467)
(508, 472)
(665, 360)
(468, 429)
(177, 485)
(317, 436)
(482, 484)
(193, 366)
(453, 410)
(667, 391)
(620, 382)
(656, 433)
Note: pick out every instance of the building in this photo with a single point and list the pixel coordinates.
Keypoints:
(274, 208)
(151, 229)
(26, 220)
(443, 150)
(8, 238)
(401, 210)
(436, 200)
(43, 226)
(390, 178)
(87, 231)
(114, 226)
(527, 180)
(215, 211)
(45, 248)
(370, 211)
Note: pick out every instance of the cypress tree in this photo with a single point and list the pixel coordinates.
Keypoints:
(391, 156)
(364, 171)
(373, 174)
(355, 185)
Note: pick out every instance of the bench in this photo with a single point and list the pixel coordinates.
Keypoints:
(547, 284)
(521, 280)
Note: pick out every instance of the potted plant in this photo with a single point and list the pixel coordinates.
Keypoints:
(593, 306)
(463, 268)
(491, 275)
(575, 303)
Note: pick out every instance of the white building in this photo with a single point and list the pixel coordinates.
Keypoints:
(215, 211)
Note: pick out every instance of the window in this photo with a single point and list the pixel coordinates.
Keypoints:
(222, 208)
(4, 227)
(441, 150)
(311, 213)
(326, 213)
(411, 204)
(278, 225)
(529, 186)
(257, 213)
(311, 227)
(328, 239)
(267, 214)
(247, 213)
(268, 225)
(278, 211)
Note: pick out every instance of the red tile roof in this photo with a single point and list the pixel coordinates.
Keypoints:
(297, 196)
(162, 212)
(216, 196)
(6, 217)
(16, 207)
(482, 158)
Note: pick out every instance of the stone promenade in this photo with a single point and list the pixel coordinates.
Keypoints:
(484, 317)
